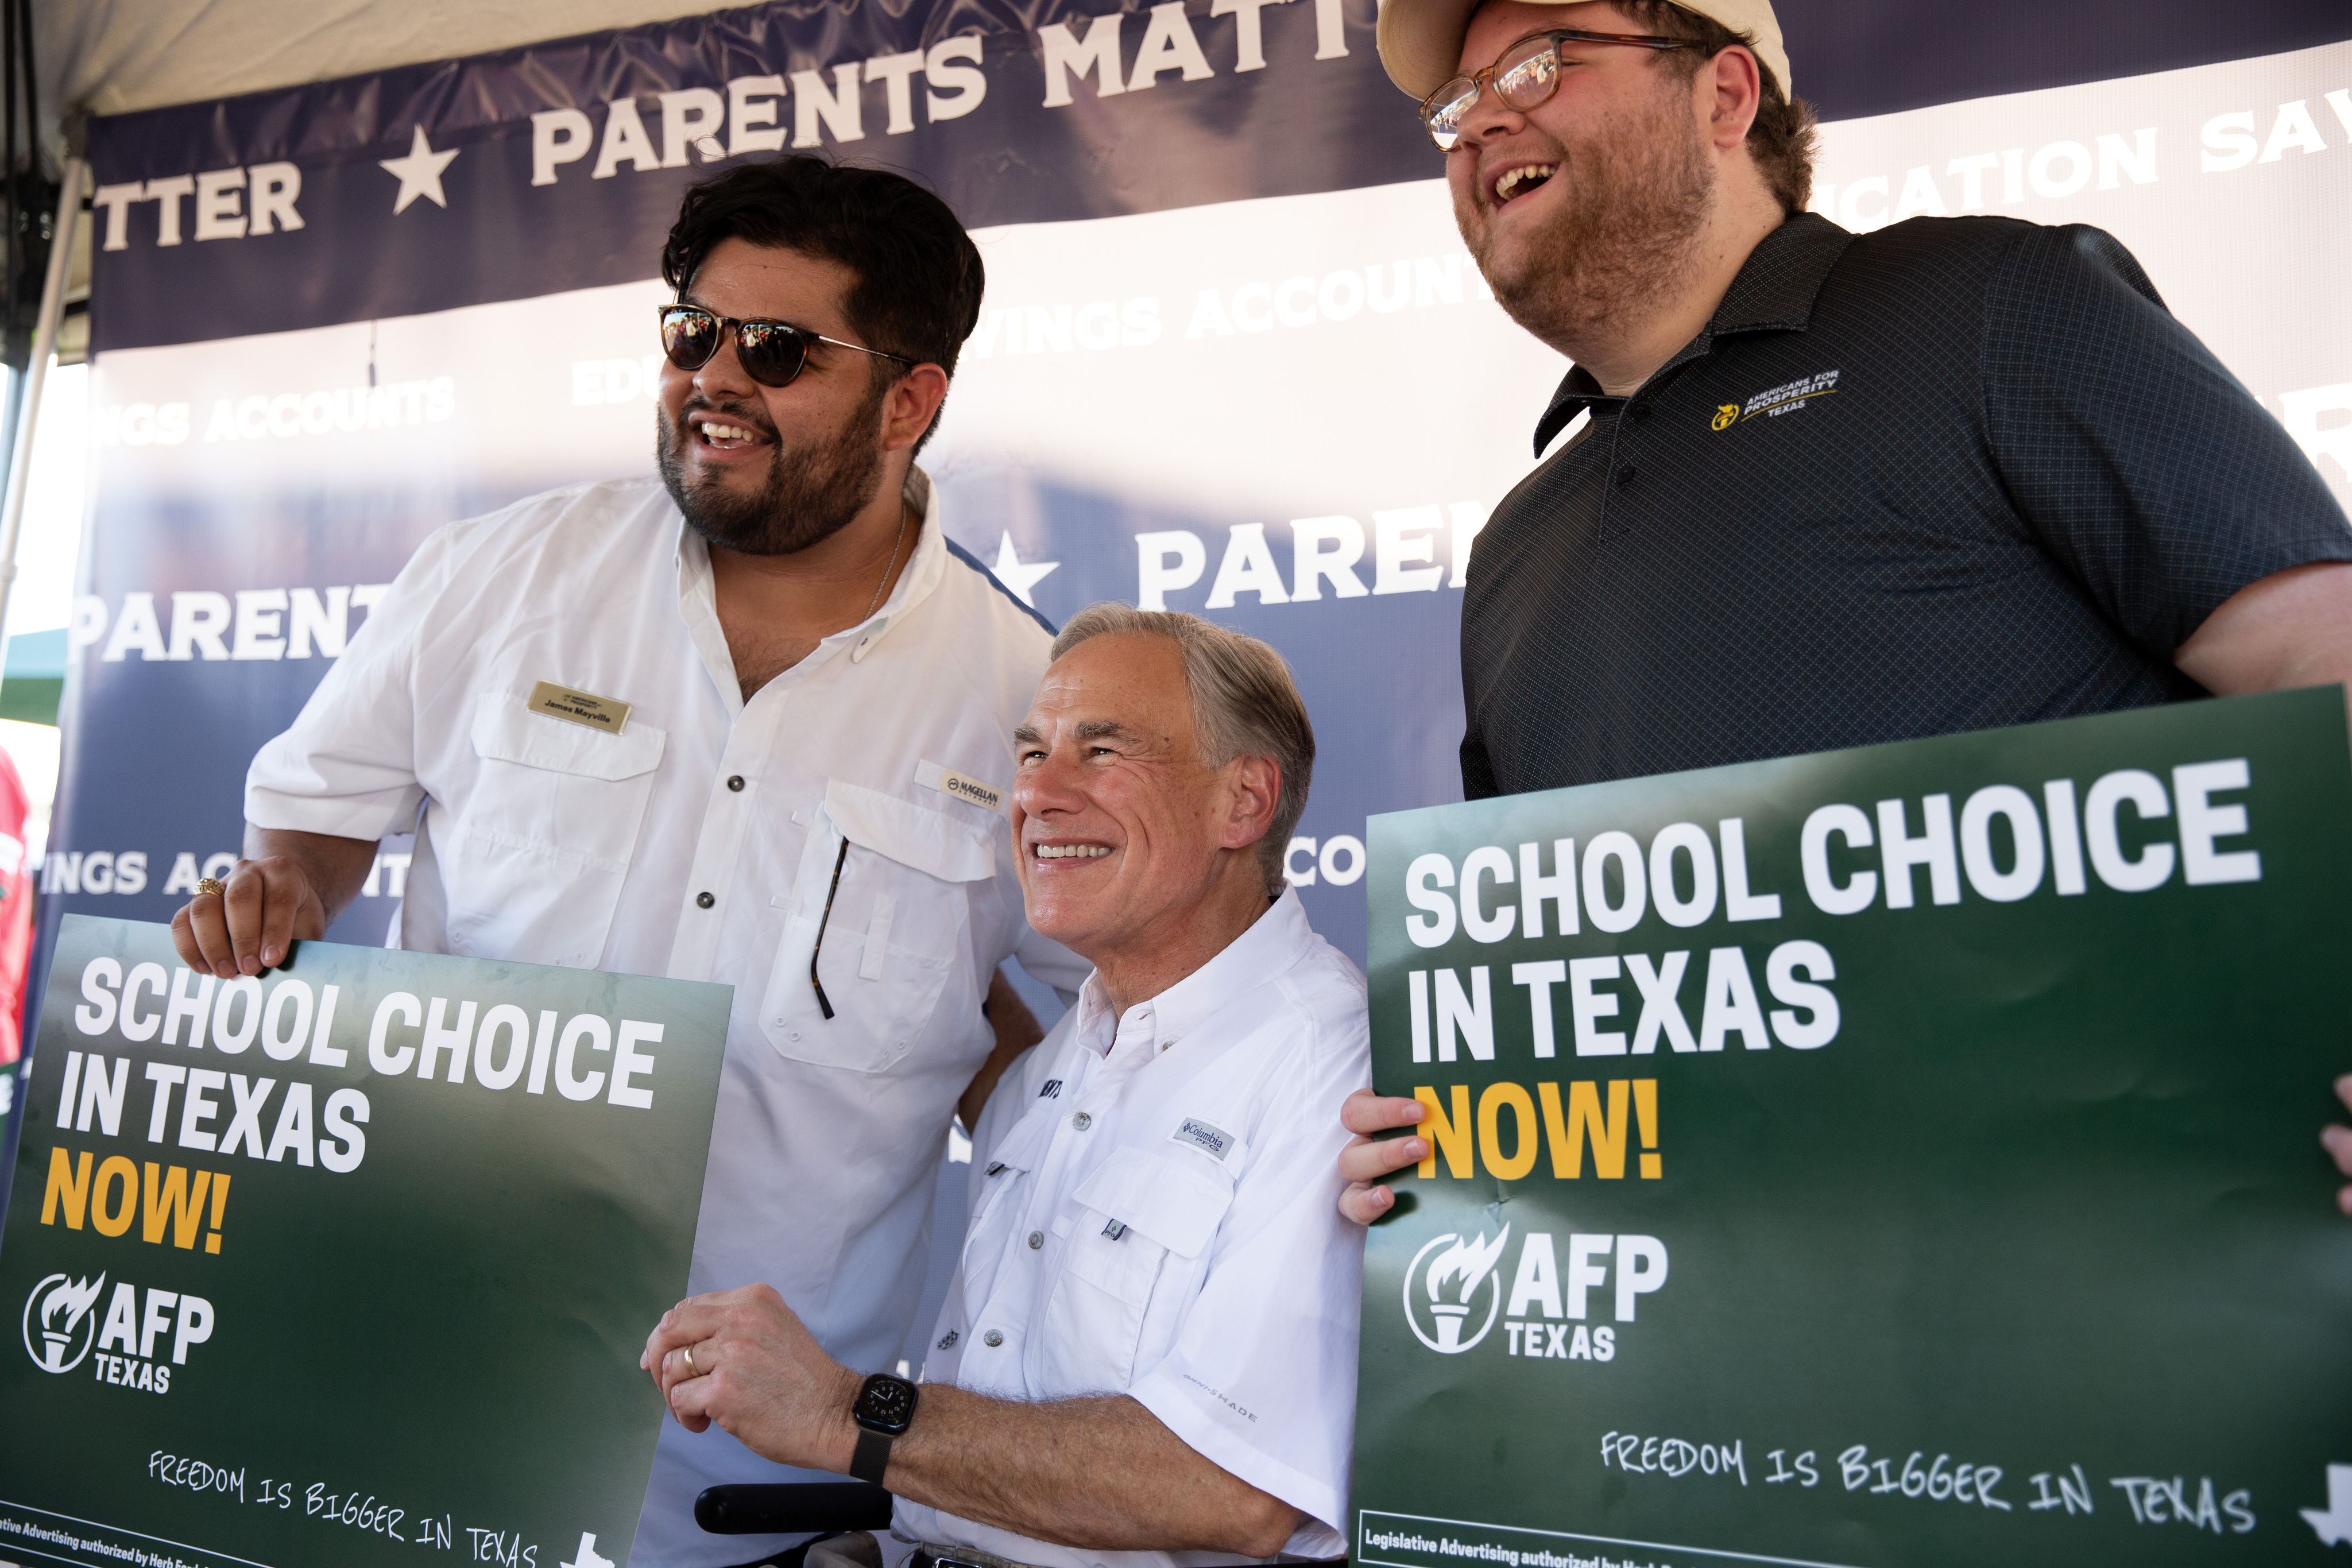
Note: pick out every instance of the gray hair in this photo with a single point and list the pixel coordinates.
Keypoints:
(1244, 703)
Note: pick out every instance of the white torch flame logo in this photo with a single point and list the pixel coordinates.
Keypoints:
(1458, 1272)
(58, 1312)
(1468, 1261)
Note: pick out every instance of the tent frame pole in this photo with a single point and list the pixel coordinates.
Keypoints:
(36, 373)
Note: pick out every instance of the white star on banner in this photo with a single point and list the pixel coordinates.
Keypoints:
(419, 173)
(1019, 579)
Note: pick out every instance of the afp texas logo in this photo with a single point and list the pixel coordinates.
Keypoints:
(1454, 1291)
(63, 1327)
(1451, 1282)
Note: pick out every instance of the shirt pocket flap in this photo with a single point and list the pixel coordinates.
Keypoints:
(1173, 1202)
(1023, 1145)
(506, 730)
(912, 835)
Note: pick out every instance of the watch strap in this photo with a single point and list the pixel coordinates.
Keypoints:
(872, 1456)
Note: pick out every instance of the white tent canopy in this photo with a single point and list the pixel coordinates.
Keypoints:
(112, 56)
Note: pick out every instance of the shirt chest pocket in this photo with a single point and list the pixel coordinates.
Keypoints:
(1138, 1227)
(878, 918)
(547, 834)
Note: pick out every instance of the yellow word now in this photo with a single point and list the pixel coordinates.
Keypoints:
(1565, 1132)
(166, 1202)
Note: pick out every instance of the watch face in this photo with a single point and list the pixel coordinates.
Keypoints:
(884, 1404)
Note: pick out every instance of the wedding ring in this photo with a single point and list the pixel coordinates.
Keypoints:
(689, 1362)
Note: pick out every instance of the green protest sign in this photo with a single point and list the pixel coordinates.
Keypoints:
(346, 1260)
(1899, 1156)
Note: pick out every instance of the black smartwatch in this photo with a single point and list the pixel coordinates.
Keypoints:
(883, 1409)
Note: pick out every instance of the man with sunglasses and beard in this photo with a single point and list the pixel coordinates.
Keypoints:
(746, 722)
(1818, 489)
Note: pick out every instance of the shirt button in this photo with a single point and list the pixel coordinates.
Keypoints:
(1082, 1121)
(1036, 1239)
(1625, 475)
(735, 781)
(704, 900)
(991, 1339)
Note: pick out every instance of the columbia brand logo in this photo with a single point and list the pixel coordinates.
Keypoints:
(947, 1340)
(1116, 1229)
(1209, 1140)
(1051, 1090)
(996, 1169)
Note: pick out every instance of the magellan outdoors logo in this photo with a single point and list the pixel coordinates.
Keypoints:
(60, 1320)
(1448, 1291)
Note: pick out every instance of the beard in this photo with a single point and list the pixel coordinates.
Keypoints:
(812, 491)
(1639, 189)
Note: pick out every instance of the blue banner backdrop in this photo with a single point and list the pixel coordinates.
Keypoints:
(1233, 358)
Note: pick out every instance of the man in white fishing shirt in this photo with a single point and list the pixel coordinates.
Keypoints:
(1148, 1358)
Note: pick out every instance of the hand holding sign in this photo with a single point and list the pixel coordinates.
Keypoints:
(1365, 1161)
(287, 892)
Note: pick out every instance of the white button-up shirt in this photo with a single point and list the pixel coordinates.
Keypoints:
(1154, 1213)
(699, 842)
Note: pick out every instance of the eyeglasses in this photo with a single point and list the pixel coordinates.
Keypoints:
(1523, 76)
(771, 352)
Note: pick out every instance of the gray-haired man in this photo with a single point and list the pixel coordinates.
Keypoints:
(1150, 1347)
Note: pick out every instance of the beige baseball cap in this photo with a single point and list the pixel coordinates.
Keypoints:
(1421, 40)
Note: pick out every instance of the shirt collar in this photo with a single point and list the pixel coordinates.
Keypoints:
(1774, 292)
(926, 565)
(1275, 942)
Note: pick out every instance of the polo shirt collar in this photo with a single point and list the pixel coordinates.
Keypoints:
(1774, 292)
(1275, 942)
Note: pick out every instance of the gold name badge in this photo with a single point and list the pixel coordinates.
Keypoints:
(578, 708)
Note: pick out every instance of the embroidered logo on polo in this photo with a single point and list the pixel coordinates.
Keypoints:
(1211, 1141)
(1053, 1090)
(1774, 401)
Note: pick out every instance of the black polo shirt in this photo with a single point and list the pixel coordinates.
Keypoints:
(1957, 474)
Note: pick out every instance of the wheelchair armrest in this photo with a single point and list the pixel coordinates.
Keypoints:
(776, 1510)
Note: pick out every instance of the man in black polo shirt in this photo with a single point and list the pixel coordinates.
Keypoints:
(1819, 489)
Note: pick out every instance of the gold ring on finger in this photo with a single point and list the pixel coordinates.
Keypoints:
(689, 1362)
(211, 887)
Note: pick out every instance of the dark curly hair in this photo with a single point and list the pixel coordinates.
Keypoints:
(919, 277)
